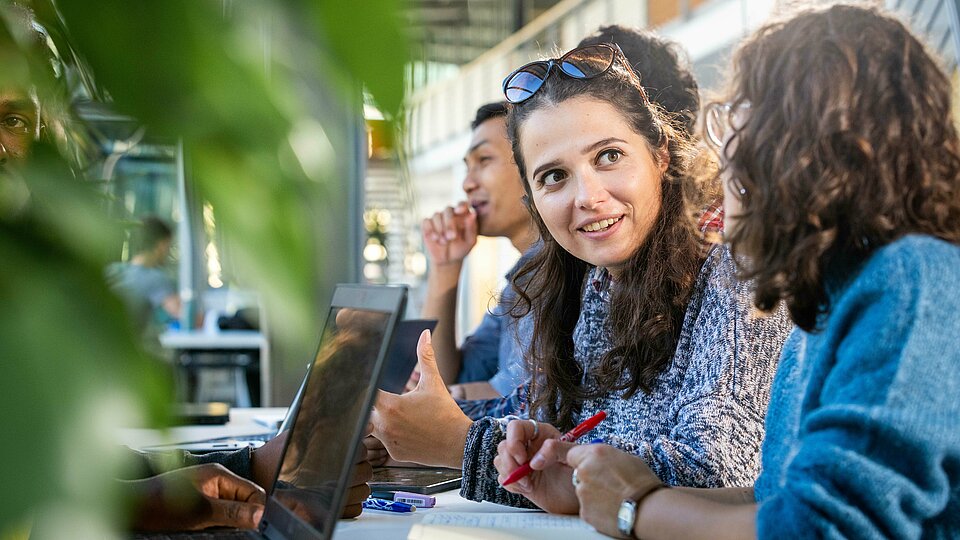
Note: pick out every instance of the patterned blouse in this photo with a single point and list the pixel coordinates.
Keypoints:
(702, 423)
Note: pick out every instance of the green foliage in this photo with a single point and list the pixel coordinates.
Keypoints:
(73, 368)
(231, 80)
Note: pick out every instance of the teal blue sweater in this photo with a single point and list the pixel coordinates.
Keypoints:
(863, 430)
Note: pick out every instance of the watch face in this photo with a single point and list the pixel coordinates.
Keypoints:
(626, 515)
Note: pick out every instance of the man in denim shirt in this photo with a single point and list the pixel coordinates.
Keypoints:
(490, 362)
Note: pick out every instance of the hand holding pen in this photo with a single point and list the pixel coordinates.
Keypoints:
(549, 484)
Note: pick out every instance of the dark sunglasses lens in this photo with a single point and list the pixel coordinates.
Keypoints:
(587, 62)
(525, 82)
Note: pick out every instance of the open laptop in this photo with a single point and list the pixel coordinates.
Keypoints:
(330, 418)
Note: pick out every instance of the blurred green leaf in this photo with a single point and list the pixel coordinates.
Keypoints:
(235, 81)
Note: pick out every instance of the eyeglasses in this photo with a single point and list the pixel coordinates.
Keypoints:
(719, 121)
(581, 63)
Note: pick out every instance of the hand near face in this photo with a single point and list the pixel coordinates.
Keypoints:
(195, 498)
(606, 477)
(548, 487)
(451, 234)
(425, 425)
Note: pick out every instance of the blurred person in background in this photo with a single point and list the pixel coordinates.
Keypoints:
(150, 292)
(489, 363)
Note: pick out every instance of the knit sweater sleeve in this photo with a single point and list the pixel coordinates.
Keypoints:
(730, 352)
(479, 474)
(877, 439)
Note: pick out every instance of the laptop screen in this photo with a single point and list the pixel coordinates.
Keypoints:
(332, 411)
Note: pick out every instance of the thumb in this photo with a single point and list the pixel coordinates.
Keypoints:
(429, 373)
(243, 515)
(231, 487)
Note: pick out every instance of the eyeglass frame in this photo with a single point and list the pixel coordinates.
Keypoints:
(723, 112)
(558, 62)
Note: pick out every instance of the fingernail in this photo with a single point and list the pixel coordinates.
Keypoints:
(597, 440)
(257, 515)
(537, 461)
(451, 235)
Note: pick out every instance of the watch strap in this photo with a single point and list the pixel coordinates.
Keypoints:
(623, 526)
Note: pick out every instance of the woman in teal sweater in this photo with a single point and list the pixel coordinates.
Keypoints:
(841, 169)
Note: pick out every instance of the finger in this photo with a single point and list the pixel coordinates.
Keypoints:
(450, 224)
(234, 488)
(244, 515)
(412, 381)
(553, 451)
(429, 231)
(360, 454)
(470, 225)
(439, 228)
(457, 391)
(357, 494)
(516, 449)
(372, 444)
(521, 431)
(351, 511)
(429, 373)
(506, 460)
(462, 207)
(362, 473)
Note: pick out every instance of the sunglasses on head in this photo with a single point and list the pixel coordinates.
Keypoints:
(580, 63)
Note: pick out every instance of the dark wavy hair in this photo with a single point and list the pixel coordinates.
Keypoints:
(650, 298)
(663, 67)
(849, 144)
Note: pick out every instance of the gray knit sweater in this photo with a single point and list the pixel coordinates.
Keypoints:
(702, 424)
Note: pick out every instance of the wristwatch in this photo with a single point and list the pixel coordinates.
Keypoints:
(626, 517)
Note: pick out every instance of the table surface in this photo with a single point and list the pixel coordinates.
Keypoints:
(370, 524)
(201, 339)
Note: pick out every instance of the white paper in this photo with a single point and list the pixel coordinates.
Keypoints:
(526, 520)
(498, 526)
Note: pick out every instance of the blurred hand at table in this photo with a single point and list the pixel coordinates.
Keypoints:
(549, 486)
(358, 490)
(194, 498)
(425, 425)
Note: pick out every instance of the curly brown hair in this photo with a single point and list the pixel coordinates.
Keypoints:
(848, 145)
(650, 299)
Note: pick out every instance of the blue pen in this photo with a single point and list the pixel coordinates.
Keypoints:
(389, 506)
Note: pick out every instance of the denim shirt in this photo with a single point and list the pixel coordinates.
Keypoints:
(863, 429)
(495, 350)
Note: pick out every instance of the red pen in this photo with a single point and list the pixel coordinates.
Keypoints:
(582, 429)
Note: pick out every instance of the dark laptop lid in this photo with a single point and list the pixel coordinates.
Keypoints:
(332, 415)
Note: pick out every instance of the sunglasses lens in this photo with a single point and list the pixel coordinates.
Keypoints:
(525, 82)
(587, 62)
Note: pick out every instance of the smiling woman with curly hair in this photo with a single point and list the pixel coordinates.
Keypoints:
(842, 198)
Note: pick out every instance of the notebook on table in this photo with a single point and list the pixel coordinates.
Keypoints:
(330, 419)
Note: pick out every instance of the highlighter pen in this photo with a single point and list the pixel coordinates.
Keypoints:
(389, 506)
(582, 429)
